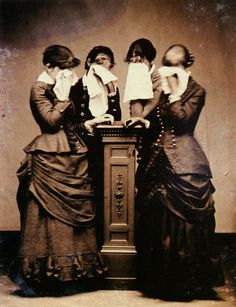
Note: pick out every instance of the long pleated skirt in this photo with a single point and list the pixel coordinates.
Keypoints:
(174, 233)
(58, 237)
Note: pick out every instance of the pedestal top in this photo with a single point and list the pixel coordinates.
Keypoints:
(118, 129)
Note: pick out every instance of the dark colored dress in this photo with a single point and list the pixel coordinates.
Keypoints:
(56, 196)
(80, 97)
(175, 207)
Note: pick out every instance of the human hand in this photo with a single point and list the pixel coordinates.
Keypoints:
(103, 119)
(173, 83)
(136, 59)
(111, 88)
(64, 80)
(174, 80)
(137, 121)
(103, 73)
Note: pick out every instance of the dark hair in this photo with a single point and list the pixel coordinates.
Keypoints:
(61, 56)
(188, 59)
(141, 47)
(95, 51)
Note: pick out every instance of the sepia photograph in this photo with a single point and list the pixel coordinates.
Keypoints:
(117, 153)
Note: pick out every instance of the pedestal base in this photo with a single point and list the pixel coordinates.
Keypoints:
(121, 268)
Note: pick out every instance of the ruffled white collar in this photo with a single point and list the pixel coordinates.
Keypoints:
(44, 77)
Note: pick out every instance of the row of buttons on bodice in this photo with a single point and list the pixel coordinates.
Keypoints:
(82, 114)
(161, 123)
(69, 128)
(113, 110)
(83, 105)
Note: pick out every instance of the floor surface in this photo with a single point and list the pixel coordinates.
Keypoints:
(10, 296)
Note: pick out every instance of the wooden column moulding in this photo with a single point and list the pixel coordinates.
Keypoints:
(119, 164)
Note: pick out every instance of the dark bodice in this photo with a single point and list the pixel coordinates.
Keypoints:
(60, 125)
(79, 96)
(173, 129)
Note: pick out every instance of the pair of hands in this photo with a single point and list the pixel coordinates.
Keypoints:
(103, 119)
(109, 119)
(176, 78)
(130, 122)
(137, 121)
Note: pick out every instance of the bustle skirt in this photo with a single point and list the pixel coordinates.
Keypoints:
(174, 233)
(58, 236)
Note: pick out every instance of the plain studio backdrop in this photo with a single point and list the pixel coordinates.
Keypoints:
(208, 28)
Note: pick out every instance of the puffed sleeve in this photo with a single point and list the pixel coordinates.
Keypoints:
(43, 109)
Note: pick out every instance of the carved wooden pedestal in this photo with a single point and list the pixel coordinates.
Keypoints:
(119, 194)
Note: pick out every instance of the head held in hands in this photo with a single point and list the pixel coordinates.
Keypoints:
(57, 57)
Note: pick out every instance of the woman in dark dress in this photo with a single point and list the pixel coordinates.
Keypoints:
(96, 93)
(55, 195)
(177, 258)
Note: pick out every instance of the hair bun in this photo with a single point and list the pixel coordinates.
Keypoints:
(189, 58)
(61, 56)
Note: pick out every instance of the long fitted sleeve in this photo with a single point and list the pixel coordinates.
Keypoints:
(44, 111)
(173, 130)
(157, 89)
(184, 110)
